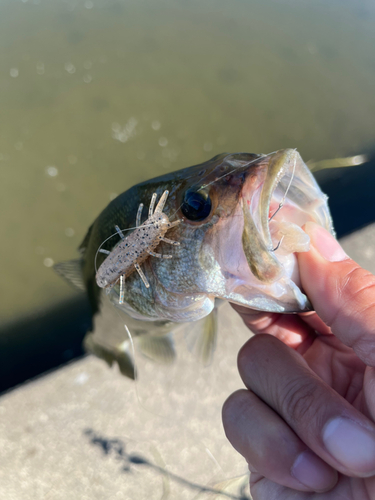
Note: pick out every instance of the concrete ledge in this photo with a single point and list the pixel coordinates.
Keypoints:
(86, 432)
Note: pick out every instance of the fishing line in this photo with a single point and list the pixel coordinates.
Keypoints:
(281, 204)
(237, 168)
(170, 414)
(261, 157)
(255, 160)
(168, 417)
(145, 225)
(197, 183)
(136, 371)
(129, 336)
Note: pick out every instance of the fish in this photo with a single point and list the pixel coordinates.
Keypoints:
(240, 226)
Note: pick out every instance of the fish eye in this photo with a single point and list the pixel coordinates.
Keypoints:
(196, 205)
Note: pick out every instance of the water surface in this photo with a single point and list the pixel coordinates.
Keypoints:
(98, 95)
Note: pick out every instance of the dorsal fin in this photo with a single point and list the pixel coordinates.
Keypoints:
(71, 271)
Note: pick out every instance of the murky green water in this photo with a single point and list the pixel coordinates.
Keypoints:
(97, 95)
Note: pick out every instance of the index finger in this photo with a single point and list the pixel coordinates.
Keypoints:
(342, 293)
(296, 331)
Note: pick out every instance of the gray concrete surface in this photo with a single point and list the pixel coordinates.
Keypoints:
(56, 432)
(86, 432)
(360, 246)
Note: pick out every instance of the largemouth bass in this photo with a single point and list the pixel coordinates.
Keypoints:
(241, 218)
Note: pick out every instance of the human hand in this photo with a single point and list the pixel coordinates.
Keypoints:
(306, 422)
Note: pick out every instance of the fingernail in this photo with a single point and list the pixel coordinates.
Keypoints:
(309, 470)
(351, 444)
(326, 244)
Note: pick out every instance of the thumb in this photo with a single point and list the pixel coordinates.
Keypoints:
(342, 293)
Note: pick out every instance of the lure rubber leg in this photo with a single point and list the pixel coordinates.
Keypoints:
(141, 274)
(139, 215)
(175, 223)
(122, 289)
(120, 233)
(160, 205)
(159, 255)
(171, 242)
(152, 204)
(107, 252)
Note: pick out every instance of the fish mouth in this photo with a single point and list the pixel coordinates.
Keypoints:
(286, 198)
(277, 200)
(291, 197)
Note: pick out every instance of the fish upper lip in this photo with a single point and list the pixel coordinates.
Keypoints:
(276, 170)
(279, 165)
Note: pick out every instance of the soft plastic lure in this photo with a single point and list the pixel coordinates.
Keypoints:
(134, 249)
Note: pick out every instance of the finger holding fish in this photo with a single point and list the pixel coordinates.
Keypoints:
(297, 330)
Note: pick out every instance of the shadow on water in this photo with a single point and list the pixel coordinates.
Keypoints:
(117, 448)
(351, 195)
(33, 345)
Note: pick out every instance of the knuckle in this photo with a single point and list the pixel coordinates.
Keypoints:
(300, 400)
(357, 283)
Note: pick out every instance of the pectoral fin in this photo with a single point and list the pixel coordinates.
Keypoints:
(158, 348)
(202, 339)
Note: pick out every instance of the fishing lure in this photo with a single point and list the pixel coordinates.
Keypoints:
(134, 249)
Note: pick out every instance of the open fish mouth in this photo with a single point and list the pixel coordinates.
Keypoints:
(290, 198)
(278, 198)
(286, 198)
